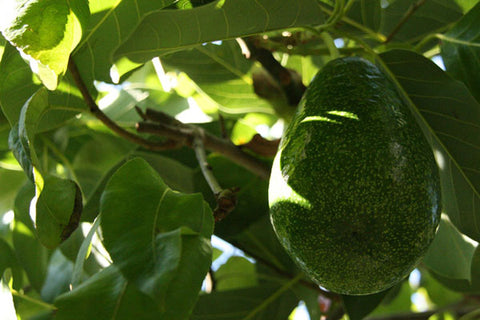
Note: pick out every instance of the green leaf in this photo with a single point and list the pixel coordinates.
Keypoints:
(16, 83)
(155, 235)
(398, 300)
(367, 12)
(9, 190)
(462, 285)
(219, 20)
(449, 117)
(449, 242)
(260, 242)
(23, 147)
(32, 256)
(58, 210)
(8, 260)
(246, 304)
(58, 277)
(461, 51)
(106, 295)
(222, 72)
(82, 255)
(111, 24)
(47, 31)
(175, 174)
(236, 273)
(358, 307)
(439, 294)
(427, 18)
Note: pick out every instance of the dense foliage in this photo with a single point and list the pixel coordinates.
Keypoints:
(130, 134)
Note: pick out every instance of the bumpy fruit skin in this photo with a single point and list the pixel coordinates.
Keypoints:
(354, 191)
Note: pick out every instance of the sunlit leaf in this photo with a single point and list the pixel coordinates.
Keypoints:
(222, 72)
(47, 31)
(449, 117)
(112, 22)
(219, 20)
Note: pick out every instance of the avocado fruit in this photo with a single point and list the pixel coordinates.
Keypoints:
(354, 192)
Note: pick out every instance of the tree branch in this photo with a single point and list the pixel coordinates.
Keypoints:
(184, 134)
(291, 86)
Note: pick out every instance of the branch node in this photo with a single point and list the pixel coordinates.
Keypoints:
(226, 202)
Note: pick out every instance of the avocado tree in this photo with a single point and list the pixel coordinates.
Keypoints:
(136, 134)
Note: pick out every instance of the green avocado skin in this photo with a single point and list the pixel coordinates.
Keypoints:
(354, 192)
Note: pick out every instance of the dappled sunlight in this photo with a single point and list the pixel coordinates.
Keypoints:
(439, 158)
(336, 113)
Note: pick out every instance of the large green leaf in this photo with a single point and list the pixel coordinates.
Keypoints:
(112, 22)
(165, 31)
(108, 296)
(58, 210)
(222, 72)
(155, 236)
(461, 50)
(449, 117)
(449, 242)
(427, 18)
(266, 302)
(47, 31)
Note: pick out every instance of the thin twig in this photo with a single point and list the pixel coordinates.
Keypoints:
(226, 198)
(414, 7)
(202, 161)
